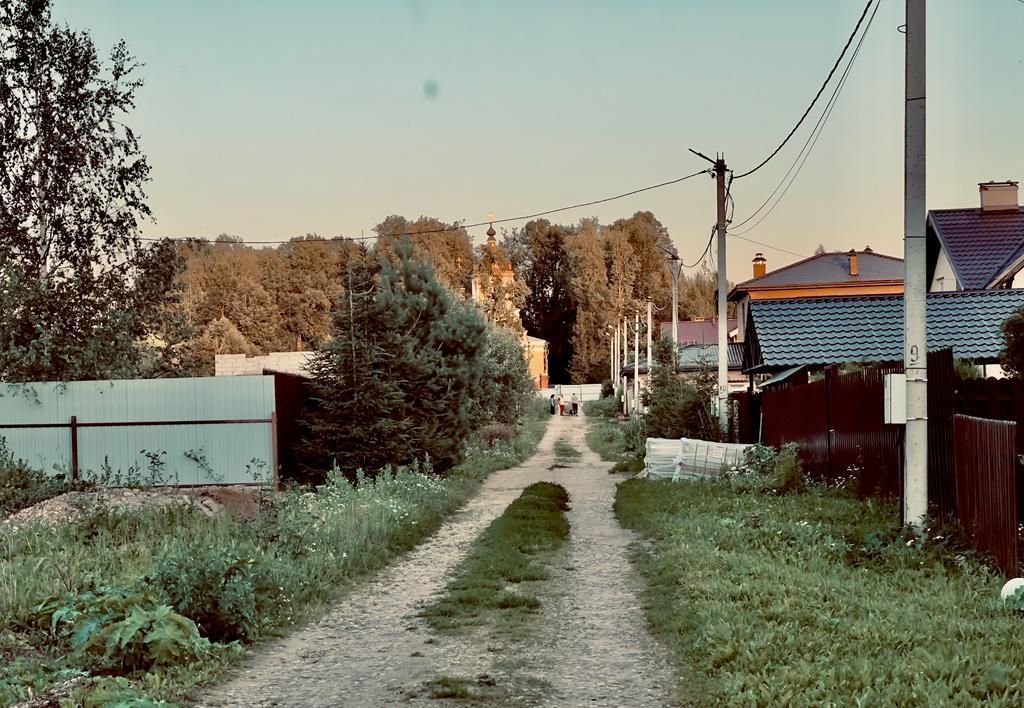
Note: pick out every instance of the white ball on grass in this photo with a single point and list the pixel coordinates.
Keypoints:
(1010, 588)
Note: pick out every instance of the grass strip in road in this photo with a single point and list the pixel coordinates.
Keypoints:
(565, 455)
(817, 599)
(506, 555)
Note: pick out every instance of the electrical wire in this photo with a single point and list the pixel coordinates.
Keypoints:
(458, 226)
(812, 139)
(768, 245)
(816, 96)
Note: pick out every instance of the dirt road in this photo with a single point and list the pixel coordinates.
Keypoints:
(588, 646)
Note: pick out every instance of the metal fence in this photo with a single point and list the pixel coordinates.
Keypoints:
(169, 431)
(838, 423)
(986, 496)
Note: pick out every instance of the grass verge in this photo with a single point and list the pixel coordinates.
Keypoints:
(121, 606)
(617, 442)
(816, 599)
(506, 555)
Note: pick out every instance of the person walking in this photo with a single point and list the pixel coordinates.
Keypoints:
(551, 404)
(575, 404)
(561, 405)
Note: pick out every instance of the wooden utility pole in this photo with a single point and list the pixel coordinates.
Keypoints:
(723, 321)
(915, 215)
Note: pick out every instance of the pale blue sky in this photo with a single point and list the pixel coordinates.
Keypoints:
(272, 119)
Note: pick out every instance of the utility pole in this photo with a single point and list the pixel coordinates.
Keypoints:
(674, 265)
(650, 336)
(622, 368)
(915, 344)
(723, 321)
(611, 356)
(636, 362)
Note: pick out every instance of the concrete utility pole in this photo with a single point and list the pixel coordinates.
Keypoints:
(674, 265)
(650, 336)
(636, 362)
(622, 368)
(915, 215)
(723, 321)
(611, 356)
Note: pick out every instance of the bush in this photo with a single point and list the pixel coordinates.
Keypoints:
(602, 408)
(225, 591)
(505, 384)
(607, 388)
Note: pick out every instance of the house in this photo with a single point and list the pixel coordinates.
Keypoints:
(536, 350)
(821, 331)
(823, 275)
(699, 331)
(694, 357)
(980, 248)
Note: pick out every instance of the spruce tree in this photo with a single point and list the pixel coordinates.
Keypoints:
(394, 383)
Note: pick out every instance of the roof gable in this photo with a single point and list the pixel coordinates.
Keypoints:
(784, 333)
(979, 244)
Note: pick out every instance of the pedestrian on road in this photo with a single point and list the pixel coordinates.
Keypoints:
(575, 404)
(561, 405)
(551, 403)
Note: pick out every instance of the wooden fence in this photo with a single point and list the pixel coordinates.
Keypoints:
(986, 491)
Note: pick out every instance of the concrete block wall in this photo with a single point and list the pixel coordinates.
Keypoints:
(241, 365)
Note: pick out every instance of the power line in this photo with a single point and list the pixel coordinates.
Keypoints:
(768, 245)
(458, 226)
(812, 138)
(816, 96)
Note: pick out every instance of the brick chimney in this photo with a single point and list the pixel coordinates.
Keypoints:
(852, 258)
(760, 265)
(998, 196)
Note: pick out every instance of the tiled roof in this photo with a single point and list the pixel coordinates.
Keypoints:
(697, 331)
(692, 356)
(979, 244)
(784, 333)
(831, 268)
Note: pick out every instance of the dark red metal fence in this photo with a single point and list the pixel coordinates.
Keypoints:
(986, 498)
(838, 422)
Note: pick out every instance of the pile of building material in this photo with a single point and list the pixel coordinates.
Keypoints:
(689, 459)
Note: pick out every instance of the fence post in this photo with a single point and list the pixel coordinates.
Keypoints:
(74, 448)
(273, 449)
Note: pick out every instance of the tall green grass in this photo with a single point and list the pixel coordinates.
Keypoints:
(250, 579)
(817, 599)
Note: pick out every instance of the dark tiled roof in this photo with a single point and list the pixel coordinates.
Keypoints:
(979, 243)
(831, 268)
(697, 331)
(784, 333)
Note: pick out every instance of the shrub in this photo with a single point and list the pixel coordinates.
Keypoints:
(496, 432)
(225, 591)
(603, 407)
(607, 388)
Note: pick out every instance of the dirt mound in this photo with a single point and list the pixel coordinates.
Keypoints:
(239, 501)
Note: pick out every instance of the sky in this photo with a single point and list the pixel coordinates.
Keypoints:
(268, 119)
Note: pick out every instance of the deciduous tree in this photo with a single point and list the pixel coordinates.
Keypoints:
(78, 292)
